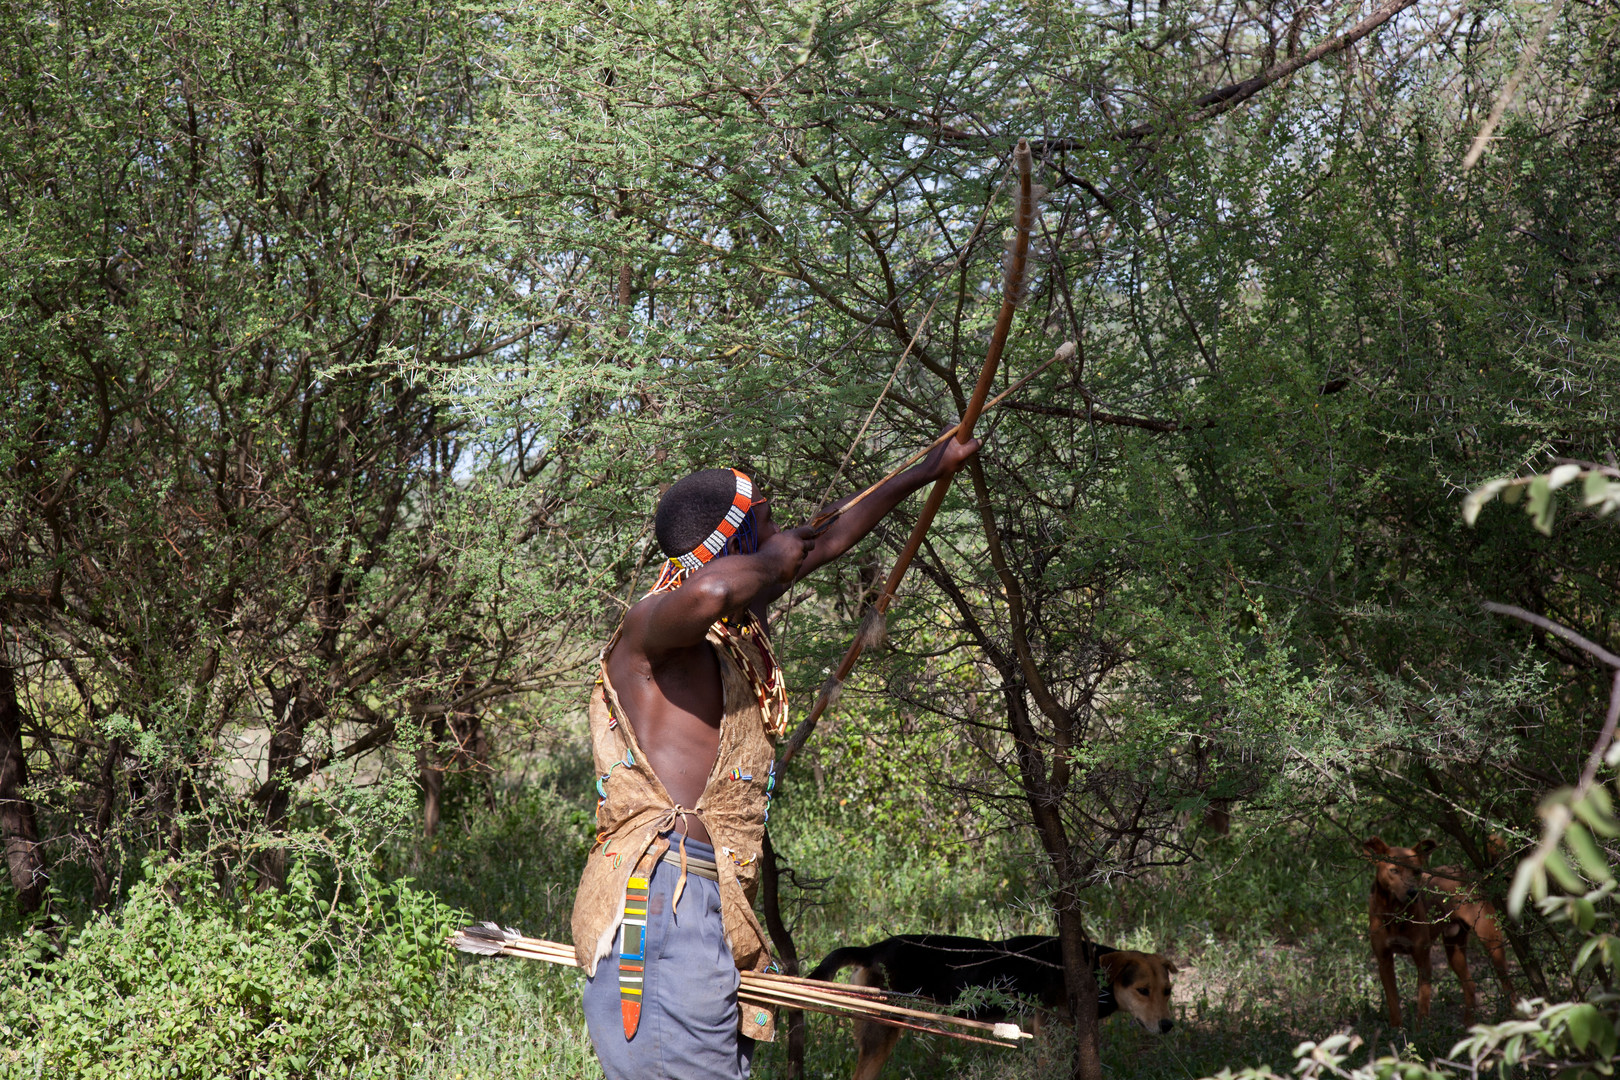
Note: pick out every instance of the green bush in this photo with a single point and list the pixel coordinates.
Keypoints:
(326, 979)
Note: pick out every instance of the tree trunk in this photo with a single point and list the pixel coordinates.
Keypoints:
(770, 887)
(294, 708)
(430, 774)
(106, 801)
(1080, 980)
(18, 830)
(473, 751)
(1044, 797)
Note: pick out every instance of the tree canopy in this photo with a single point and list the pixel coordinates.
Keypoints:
(349, 346)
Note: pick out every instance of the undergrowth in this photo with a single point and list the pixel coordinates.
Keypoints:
(1267, 928)
(308, 982)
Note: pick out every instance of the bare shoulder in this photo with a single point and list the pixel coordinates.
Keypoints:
(663, 623)
(632, 635)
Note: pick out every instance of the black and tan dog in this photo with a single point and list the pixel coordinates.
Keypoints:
(941, 968)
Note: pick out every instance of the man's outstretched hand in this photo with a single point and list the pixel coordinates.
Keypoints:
(948, 456)
(785, 552)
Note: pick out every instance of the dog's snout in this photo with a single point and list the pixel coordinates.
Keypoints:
(1165, 1025)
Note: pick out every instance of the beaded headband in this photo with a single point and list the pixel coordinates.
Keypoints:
(742, 501)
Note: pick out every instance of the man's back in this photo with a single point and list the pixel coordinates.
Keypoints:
(674, 706)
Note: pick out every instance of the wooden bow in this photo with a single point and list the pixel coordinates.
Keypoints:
(1012, 289)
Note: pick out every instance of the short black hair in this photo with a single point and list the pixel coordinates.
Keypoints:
(691, 509)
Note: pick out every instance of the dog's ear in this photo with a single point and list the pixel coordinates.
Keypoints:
(1424, 847)
(1170, 966)
(1120, 966)
(1376, 845)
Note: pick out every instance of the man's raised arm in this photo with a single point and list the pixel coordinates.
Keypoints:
(845, 532)
(681, 617)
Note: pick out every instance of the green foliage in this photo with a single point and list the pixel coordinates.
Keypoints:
(510, 1019)
(350, 344)
(329, 978)
(1573, 1039)
(1227, 528)
(247, 543)
(1599, 492)
(516, 862)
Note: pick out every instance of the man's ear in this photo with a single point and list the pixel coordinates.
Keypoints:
(1376, 845)
(1425, 846)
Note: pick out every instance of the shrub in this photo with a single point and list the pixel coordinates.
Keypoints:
(326, 979)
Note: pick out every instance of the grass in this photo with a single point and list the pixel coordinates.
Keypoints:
(1268, 930)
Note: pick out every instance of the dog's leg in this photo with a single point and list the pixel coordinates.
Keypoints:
(1490, 936)
(1392, 992)
(1420, 957)
(875, 1042)
(1457, 957)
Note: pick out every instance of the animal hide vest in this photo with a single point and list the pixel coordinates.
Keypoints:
(635, 814)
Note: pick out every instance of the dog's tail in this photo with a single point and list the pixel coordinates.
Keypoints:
(839, 959)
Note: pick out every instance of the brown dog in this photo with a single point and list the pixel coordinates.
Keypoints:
(1401, 920)
(941, 967)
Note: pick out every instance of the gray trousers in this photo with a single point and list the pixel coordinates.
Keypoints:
(688, 1028)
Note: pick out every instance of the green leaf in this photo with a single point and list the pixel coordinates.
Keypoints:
(1481, 495)
(1561, 872)
(1590, 1029)
(1597, 818)
(1592, 861)
(1592, 946)
(1540, 506)
(1527, 879)
(1581, 1025)
(1562, 475)
(1599, 796)
(1595, 489)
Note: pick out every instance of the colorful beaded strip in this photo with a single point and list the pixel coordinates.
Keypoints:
(633, 965)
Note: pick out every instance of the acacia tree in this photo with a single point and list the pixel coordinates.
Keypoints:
(249, 534)
(770, 223)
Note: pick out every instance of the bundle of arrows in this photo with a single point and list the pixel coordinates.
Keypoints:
(768, 990)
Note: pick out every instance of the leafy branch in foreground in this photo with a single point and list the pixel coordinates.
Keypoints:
(1600, 488)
